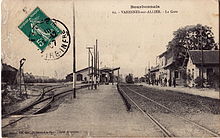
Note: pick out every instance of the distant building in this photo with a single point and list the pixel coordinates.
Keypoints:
(108, 75)
(82, 75)
(8, 74)
(104, 75)
(69, 77)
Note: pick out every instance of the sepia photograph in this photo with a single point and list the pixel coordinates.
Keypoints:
(110, 68)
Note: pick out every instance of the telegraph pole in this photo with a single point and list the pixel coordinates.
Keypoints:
(96, 63)
(89, 52)
(92, 70)
(95, 85)
(98, 68)
(74, 55)
(88, 67)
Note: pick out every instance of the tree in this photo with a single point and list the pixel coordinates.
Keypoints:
(193, 37)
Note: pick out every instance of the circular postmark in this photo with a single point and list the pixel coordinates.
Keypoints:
(59, 46)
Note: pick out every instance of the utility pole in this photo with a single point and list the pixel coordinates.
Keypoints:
(89, 52)
(94, 75)
(98, 68)
(88, 67)
(96, 63)
(74, 54)
(92, 67)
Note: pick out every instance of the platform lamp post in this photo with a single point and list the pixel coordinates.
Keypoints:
(20, 68)
(89, 52)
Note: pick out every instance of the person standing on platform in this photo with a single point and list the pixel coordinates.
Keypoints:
(174, 82)
(165, 82)
(170, 82)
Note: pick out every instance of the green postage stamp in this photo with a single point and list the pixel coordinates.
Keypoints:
(39, 28)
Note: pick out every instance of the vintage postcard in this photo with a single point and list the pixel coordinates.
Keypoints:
(110, 68)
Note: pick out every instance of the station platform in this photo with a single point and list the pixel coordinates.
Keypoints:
(204, 92)
(94, 113)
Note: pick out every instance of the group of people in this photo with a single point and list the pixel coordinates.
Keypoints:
(164, 82)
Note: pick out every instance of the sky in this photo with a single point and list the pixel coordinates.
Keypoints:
(128, 41)
(132, 41)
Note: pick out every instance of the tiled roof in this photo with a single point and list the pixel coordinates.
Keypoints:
(209, 56)
(84, 69)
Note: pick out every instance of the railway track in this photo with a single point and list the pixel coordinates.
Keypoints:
(40, 105)
(45, 90)
(164, 123)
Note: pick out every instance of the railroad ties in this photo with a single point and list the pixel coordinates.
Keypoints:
(170, 123)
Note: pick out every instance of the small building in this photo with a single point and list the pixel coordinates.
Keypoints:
(8, 74)
(210, 65)
(108, 75)
(104, 75)
(82, 76)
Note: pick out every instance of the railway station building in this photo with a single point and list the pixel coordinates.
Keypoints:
(105, 75)
(165, 69)
(189, 71)
(210, 65)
